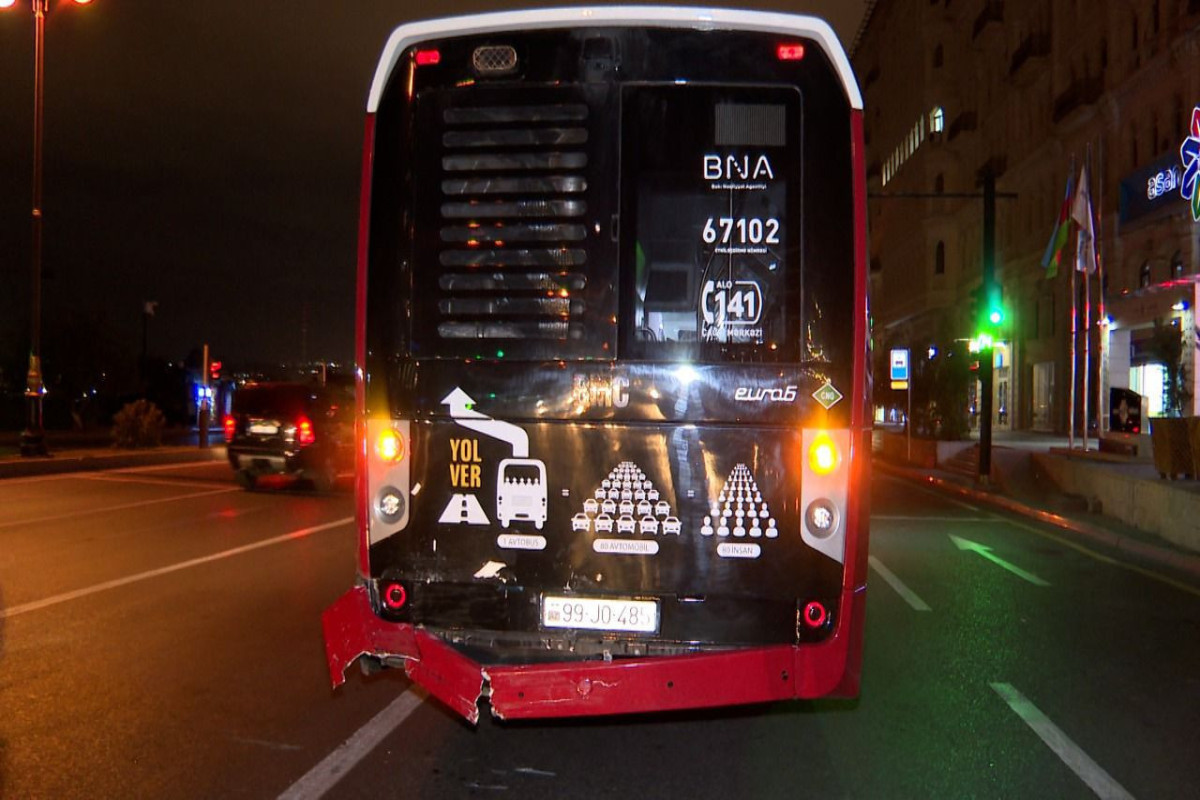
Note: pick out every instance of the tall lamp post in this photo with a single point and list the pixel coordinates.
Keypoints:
(33, 437)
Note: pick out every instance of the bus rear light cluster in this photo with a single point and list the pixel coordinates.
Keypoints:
(823, 455)
(394, 596)
(389, 445)
(388, 487)
(790, 52)
(825, 490)
(815, 615)
(389, 505)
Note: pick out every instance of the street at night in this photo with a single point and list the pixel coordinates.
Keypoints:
(160, 637)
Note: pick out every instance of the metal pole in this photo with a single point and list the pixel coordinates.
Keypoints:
(987, 354)
(33, 438)
(204, 406)
(1074, 327)
(1087, 353)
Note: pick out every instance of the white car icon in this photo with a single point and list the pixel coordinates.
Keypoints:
(590, 506)
(652, 495)
(608, 507)
(662, 508)
(672, 525)
(604, 523)
(649, 525)
(625, 524)
(643, 508)
(626, 507)
(580, 522)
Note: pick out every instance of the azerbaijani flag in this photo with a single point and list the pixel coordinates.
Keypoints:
(1189, 154)
(1061, 233)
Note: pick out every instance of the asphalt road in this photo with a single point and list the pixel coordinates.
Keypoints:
(160, 637)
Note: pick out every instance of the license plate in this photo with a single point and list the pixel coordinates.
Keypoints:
(262, 429)
(600, 614)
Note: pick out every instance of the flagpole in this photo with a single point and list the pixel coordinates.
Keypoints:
(1101, 319)
(1074, 329)
(1087, 351)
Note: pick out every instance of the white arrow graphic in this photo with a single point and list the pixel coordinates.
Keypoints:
(462, 409)
(986, 552)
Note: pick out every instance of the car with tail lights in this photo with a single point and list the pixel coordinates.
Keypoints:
(294, 430)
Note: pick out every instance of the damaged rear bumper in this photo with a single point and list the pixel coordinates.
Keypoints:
(592, 687)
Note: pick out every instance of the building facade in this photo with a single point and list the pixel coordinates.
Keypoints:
(1030, 90)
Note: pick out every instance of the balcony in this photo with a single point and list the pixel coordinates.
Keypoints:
(991, 16)
(966, 121)
(1028, 60)
(1082, 93)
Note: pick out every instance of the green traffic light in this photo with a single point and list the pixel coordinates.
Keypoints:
(996, 316)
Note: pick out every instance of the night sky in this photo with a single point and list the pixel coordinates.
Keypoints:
(204, 155)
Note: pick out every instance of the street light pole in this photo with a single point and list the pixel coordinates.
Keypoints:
(33, 437)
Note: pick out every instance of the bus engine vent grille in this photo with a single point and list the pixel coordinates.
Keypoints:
(513, 229)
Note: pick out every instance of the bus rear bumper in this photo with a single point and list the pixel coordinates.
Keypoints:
(594, 688)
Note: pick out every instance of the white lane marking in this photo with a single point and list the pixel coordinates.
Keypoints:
(986, 552)
(1080, 763)
(154, 573)
(118, 478)
(325, 775)
(934, 492)
(122, 507)
(62, 476)
(909, 595)
(916, 518)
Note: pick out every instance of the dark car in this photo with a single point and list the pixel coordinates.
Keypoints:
(304, 431)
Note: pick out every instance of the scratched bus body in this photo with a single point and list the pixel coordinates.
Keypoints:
(612, 347)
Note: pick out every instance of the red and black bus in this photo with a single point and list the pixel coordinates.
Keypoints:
(612, 349)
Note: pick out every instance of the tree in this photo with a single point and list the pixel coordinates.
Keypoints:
(1166, 347)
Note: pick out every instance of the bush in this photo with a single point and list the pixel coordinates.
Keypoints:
(138, 424)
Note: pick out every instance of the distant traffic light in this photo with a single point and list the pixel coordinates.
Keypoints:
(214, 370)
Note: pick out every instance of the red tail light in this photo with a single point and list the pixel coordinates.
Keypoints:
(230, 427)
(304, 432)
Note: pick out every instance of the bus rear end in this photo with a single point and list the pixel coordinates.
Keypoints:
(613, 383)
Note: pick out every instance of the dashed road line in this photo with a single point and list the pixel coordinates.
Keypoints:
(1079, 762)
(909, 595)
(319, 780)
(154, 573)
(88, 512)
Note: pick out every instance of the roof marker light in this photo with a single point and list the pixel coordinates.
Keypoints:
(790, 52)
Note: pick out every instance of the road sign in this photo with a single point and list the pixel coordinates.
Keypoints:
(899, 363)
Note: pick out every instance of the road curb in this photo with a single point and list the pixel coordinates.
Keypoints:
(1145, 551)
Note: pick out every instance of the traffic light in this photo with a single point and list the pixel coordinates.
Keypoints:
(988, 312)
(214, 370)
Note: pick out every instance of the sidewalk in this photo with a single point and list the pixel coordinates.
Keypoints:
(1108, 501)
(72, 451)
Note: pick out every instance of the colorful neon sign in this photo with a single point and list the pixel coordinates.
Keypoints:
(1189, 153)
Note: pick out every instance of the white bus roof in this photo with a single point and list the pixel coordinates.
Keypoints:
(650, 16)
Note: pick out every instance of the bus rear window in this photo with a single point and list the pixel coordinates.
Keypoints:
(711, 222)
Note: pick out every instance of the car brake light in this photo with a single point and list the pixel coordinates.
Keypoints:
(230, 427)
(427, 58)
(304, 432)
(790, 52)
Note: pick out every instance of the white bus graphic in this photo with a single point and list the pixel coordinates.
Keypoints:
(521, 491)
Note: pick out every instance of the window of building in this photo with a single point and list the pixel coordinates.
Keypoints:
(1177, 264)
(939, 259)
(937, 119)
(1144, 275)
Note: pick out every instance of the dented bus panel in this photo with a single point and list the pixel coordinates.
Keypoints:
(613, 379)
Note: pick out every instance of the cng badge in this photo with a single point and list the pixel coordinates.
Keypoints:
(827, 396)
